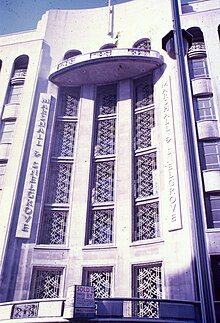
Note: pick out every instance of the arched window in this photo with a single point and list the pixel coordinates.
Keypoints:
(219, 32)
(72, 53)
(0, 64)
(108, 46)
(143, 43)
(17, 80)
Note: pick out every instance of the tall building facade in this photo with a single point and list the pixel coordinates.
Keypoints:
(95, 184)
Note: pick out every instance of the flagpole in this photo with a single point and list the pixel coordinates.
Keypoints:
(109, 19)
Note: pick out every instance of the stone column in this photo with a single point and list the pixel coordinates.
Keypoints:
(80, 183)
(123, 207)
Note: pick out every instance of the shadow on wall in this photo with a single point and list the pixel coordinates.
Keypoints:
(186, 8)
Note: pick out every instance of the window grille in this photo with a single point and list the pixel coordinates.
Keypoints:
(212, 154)
(64, 139)
(105, 137)
(107, 99)
(101, 226)
(213, 210)
(53, 227)
(59, 183)
(144, 92)
(205, 108)
(148, 284)
(46, 283)
(199, 67)
(146, 165)
(144, 125)
(69, 102)
(147, 221)
(100, 279)
(104, 181)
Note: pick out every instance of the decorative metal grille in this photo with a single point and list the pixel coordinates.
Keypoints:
(104, 180)
(101, 281)
(69, 102)
(25, 310)
(107, 99)
(148, 285)
(53, 228)
(105, 137)
(64, 139)
(101, 229)
(144, 92)
(146, 164)
(59, 183)
(47, 283)
(147, 221)
(144, 125)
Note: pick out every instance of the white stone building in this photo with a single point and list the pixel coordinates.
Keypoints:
(95, 178)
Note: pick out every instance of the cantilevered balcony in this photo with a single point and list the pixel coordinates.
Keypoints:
(105, 66)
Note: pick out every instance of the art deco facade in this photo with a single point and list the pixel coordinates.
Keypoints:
(95, 178)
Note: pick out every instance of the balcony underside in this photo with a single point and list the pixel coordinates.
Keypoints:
(104, 69)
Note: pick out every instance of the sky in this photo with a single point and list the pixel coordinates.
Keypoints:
(20, 15)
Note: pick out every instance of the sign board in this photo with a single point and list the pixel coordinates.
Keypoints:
(33, 170)
(171, 170)
(80, 302)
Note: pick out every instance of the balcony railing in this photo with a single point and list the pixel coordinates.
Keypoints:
(197, 50)
(109, 53)
(116, 309)
(105, 66)
(19, 76)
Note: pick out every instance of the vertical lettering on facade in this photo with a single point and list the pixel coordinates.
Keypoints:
(171, 174)
(33, 169)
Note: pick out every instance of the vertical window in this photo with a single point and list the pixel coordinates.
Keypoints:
(204, 108)
(104, 180)
(199, 67)
(144, 129)
(46, 282)
(59, 181)
(213, 210)
(15, 94)
(147, 221)
(101, 213)
(147, 283)
(2, 174)
(53, 227)
(7, 132)
(146, 206)
(102, 226)
(100, 279)
(211, 151)
(146, 179)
